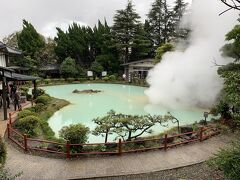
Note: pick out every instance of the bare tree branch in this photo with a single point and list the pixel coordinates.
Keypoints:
(232, 4)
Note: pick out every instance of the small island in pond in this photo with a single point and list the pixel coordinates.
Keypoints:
(87, 91)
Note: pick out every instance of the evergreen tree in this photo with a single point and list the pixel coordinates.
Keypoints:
(75, 43)
(141, 46)
(62, 49)
(160, 21)
(147, 29)
(231, 74)
(178, 12)
(126, 25)
(29, 40)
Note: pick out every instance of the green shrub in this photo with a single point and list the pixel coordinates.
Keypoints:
(39, 92)
(5, 174)
(195, 126)
(105, 78)
(44, 99)
(39, 81)
(24, 113)
(76, 134)
(47, 81)
(96, 78)
(70, 80)
(47, 131)
(40, 107)
(3, 152)
(29, 97)
(228, 160)
(81, 79)
(29, 125)
(112, 78)
(24, 90)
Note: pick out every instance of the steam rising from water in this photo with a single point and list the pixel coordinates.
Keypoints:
(189, 78)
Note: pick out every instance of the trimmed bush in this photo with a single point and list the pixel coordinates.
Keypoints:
(39, 107)
(29, 97)
(29, 125)
(24, 113)
(44, 99)
(25, 90)
(81, 79)
(112, 78)
(76, 134)
(70, 80)
(47, 81)
(39, 92)
(105, 78)
(3, 152)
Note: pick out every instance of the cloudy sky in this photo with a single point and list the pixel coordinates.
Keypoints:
(45, 15)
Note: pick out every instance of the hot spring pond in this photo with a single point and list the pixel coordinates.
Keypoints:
(121, 98)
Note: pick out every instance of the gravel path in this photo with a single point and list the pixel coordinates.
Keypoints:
(199, 171)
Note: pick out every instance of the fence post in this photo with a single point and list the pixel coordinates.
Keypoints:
(10, 118)
(119, 146)
(165, 142)
(8, 130)
(201, 134)
(25, 142)
(68, 149)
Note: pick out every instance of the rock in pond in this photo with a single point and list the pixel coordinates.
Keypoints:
(87, 91)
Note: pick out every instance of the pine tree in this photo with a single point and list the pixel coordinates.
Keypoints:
(160, 22)
(29, 40)
(126, 25)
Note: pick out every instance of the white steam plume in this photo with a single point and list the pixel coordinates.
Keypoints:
(189, 78)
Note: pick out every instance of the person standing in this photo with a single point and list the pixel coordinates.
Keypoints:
(16, 101)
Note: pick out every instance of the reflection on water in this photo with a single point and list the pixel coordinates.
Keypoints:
(121, 98)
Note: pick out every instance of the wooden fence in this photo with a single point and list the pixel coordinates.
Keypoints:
(69, 150)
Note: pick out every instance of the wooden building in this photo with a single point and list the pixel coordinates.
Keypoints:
(138, 69)
(7, 74)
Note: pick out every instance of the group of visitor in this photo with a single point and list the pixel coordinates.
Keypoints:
(12, 95)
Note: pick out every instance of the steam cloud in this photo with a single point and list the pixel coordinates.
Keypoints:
(189, 78)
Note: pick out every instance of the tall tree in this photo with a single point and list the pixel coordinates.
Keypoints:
(75, 43)
(160, 21)
(126, 25)
(29, 40)
(105, 50)
(231, 74)
(178, 11)
(47, 54)
(141, 47)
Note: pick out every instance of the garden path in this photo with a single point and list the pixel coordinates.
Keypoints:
(36, 167)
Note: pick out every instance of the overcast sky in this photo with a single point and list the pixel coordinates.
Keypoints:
(45, 15)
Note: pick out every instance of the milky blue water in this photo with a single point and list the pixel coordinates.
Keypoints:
(121, 98)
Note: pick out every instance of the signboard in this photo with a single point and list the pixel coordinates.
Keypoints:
(89, 73)
(104, 73)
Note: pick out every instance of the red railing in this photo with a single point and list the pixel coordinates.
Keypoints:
(74, 150)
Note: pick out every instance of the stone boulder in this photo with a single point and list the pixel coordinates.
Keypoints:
(186, 129)
(87, 91)
(53, 147)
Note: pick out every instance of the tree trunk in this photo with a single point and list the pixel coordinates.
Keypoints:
(129, 136)
(106, 136)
